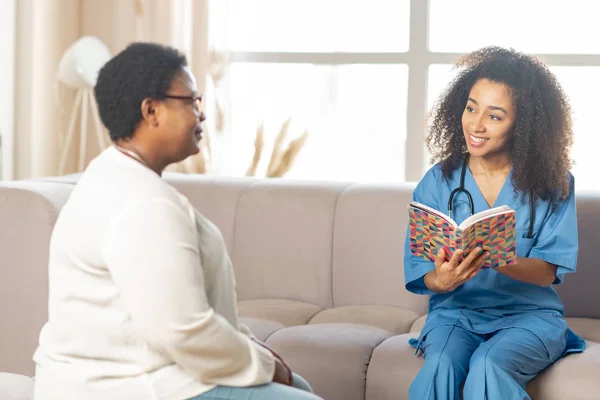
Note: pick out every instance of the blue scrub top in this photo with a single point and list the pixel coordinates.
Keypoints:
(491, 301)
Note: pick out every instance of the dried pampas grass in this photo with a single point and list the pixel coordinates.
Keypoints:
(139, 7)
(282, 158)
(288, 157)
(277, 153)
(259, 143)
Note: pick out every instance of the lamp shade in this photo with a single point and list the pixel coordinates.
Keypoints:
(80, 64)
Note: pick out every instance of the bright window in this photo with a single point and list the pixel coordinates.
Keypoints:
(355, 115)
(319, 26)
(582, 84)
(533, 26)
(361, 76)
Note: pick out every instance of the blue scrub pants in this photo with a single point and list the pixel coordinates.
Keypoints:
(493, 367)
(301, 390)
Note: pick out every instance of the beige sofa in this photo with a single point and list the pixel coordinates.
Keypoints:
(319, 277)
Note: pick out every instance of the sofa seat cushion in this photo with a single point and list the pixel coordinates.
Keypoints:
(15, 387)
(395, 320)
(281, 311)
(394, 366)
(587, 328)
(261, 328)
(332, 357)
(577, 376)
(418, 325)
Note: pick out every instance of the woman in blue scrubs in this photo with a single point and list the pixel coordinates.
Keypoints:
(502, 132)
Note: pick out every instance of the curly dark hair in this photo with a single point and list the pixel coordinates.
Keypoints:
(543, 132)
(142, 70)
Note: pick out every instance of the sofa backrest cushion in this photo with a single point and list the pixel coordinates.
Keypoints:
(368, 251)
(580, 291)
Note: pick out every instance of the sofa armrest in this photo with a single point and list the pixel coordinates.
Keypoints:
(15, 387)
(28, 211)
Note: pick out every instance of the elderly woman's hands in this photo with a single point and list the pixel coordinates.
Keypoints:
(283, 373)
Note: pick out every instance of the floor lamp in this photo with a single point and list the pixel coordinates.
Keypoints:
(78, 69)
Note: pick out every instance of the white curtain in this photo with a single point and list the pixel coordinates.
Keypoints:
(46, 28)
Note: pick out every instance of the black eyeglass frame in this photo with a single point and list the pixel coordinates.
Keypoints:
(196, 99)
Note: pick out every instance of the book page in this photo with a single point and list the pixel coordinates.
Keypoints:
(483, 215)
(433, 211)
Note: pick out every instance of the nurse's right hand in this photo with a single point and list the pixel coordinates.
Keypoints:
(451, 274)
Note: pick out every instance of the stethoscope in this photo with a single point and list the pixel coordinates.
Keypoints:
(461, 189)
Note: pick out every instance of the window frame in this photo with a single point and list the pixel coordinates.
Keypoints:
(418, 58)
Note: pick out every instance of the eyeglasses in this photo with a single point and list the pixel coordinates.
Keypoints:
(196, 99)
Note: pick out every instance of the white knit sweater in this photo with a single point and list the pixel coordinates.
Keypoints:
(142, 298)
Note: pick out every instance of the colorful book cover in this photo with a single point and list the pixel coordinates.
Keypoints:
(493, 230)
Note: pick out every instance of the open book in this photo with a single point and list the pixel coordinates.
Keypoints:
(493, 230)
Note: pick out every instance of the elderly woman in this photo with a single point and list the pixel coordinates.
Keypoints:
(142, 302)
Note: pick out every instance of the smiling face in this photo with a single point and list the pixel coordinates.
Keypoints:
(488, 119)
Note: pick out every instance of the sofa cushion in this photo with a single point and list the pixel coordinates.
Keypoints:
(588, 328)
(579, 291)
(15, 387)
(281, 311)
(395, 320)
(215, 198)
(71, 179)
(368, 247)
(28, 210)
(283, 241)
(574, 377)
(394, 366)
(418, 325)
(261, 328)
(332, 357)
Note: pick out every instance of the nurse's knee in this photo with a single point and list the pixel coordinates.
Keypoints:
(441, 376)
(453, 361)
(493, 359)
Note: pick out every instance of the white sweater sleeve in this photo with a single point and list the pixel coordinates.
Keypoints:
(246, 331)
(151, 252)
